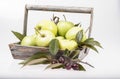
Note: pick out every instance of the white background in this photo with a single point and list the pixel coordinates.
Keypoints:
(105, 29)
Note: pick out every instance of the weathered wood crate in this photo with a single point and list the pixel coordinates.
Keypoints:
(23, 52)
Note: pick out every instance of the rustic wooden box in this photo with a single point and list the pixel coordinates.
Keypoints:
(23, 52)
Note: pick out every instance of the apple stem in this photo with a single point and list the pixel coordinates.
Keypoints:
(64, 17)
(79, 25)
(55, 19)
(38, 31)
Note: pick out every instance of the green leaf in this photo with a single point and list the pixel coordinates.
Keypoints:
(54, 46)
(79, 36)
(66, 52)
(81, 68)
(89, 39)
(91, 47)
(77, 24)
(76, 60)
(97, 44)
(76, 54)
(37, 61)
(92, 42)
(36, 56)
(87, 64)
(54, 66)
(18, 35)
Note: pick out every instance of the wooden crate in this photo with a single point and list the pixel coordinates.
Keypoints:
(23, 52)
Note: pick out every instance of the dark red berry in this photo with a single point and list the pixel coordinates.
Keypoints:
(61, 60)
(68, 66)
(75, 66)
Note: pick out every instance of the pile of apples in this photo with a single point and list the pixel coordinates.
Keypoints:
(46, 30)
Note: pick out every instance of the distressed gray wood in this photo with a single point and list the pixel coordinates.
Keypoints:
(25, 21)
(59, 8)
(91, 22)
(23, 52)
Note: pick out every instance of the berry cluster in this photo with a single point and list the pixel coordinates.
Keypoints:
(67, 63)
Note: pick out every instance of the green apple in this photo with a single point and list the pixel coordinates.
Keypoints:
(59, 37)
(29, 40)
(67, 44)
(44, 37)
(47, 25)
(63, 27)
(71, 34)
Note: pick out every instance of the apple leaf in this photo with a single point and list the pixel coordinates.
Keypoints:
(89, 39)
(54, 66)
(79, 36)
(87, 64)
(92, 42)
(81, 68)
(54, 46)
(76, 54)
(37, 61)
(76, 25)
(18, 35)
(97, 44)
(91, 47)
(66, 52)
(36, 56)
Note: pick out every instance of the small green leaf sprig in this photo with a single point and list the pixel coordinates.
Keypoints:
(88, 43)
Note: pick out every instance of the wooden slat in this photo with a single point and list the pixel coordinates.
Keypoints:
(25, 21)
(91, 22)
(59, 8)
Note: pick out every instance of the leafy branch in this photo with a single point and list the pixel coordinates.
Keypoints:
(89, 43)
